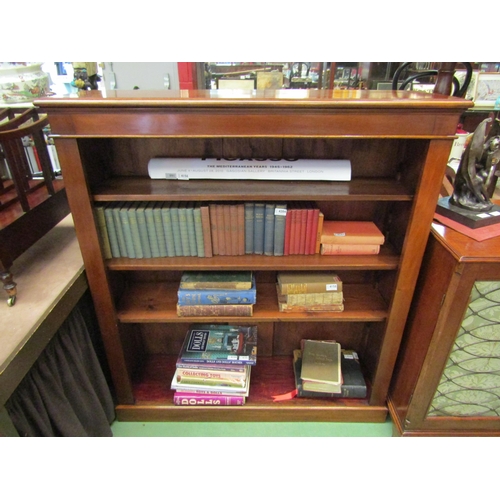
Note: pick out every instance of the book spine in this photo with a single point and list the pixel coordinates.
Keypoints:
(221, 233)
(191, 229)
(292, 288)
(294, 247)
(183, 227)
(228, 229)
(198, 230)
(151, 231)
(204, 373)
(210, 381)
(212, 208)
(206, 297)
(240, 214)
(160, 231)
(279, 229)
(302, 230)
(233, 228)
(110, 224)
(119, 229)
(258, 228)
(134, 229)
(310, 299)
(346, 249)
(127, 232)
(249, 222)
(192, 399)
(168, 229)
(143, 230)
(269, 228)
(206, 228)
(215, 310)
(283, 307)
(176, 230)
(102, 231)
(321, 218)
(288, 227)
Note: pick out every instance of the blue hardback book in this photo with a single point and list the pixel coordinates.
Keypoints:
(223, 296)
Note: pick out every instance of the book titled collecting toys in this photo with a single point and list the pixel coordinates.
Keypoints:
(220, 344)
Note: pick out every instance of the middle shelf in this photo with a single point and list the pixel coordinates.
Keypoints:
(155, 302)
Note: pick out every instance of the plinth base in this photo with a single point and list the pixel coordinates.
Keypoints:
(468, 218)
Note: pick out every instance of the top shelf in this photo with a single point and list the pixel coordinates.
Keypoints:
(145, 189)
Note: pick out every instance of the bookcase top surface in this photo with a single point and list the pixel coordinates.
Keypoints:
(290, 98)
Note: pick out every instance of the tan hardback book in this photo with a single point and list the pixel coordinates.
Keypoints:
(304, 282)
(321, 369)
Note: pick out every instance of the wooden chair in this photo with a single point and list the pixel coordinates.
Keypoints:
(39, 212)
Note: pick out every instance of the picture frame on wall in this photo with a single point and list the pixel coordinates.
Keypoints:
(488, 89)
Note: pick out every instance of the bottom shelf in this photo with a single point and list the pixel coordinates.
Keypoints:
(270, 377)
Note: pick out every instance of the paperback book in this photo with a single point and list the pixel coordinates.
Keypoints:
(194, 399)
(205, 343)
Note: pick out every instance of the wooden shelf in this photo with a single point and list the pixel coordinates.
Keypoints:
(387, 260)
(145, 189)
(155, 302)
(271, 376)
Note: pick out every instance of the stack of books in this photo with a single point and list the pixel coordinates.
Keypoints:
(214, 365)
(309, 292)
(322, 369)
(350, 238)
(216, 293)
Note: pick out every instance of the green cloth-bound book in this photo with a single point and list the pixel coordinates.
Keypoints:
(143, 230)
(151, 229)
(119, 229)
(160, 232)
(127, 231)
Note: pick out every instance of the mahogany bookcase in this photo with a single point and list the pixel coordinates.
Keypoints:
(398, 144)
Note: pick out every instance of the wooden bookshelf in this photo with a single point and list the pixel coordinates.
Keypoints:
(398, 144)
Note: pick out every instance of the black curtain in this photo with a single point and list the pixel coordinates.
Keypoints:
(66, 392)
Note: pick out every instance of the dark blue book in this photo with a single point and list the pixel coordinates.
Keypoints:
(258, 228)
(224, 296)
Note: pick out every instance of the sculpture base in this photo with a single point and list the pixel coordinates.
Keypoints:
(468, 218)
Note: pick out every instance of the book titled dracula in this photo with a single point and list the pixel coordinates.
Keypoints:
(220, 344)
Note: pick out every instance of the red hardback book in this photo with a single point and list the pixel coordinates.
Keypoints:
(302, 229)
(351, 232)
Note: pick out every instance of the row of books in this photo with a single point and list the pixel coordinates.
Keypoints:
(309, 292)
(214, 365)
(323, 369)
(212, 293)
(200, 229)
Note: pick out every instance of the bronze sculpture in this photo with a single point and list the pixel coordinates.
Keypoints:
(476, 175)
